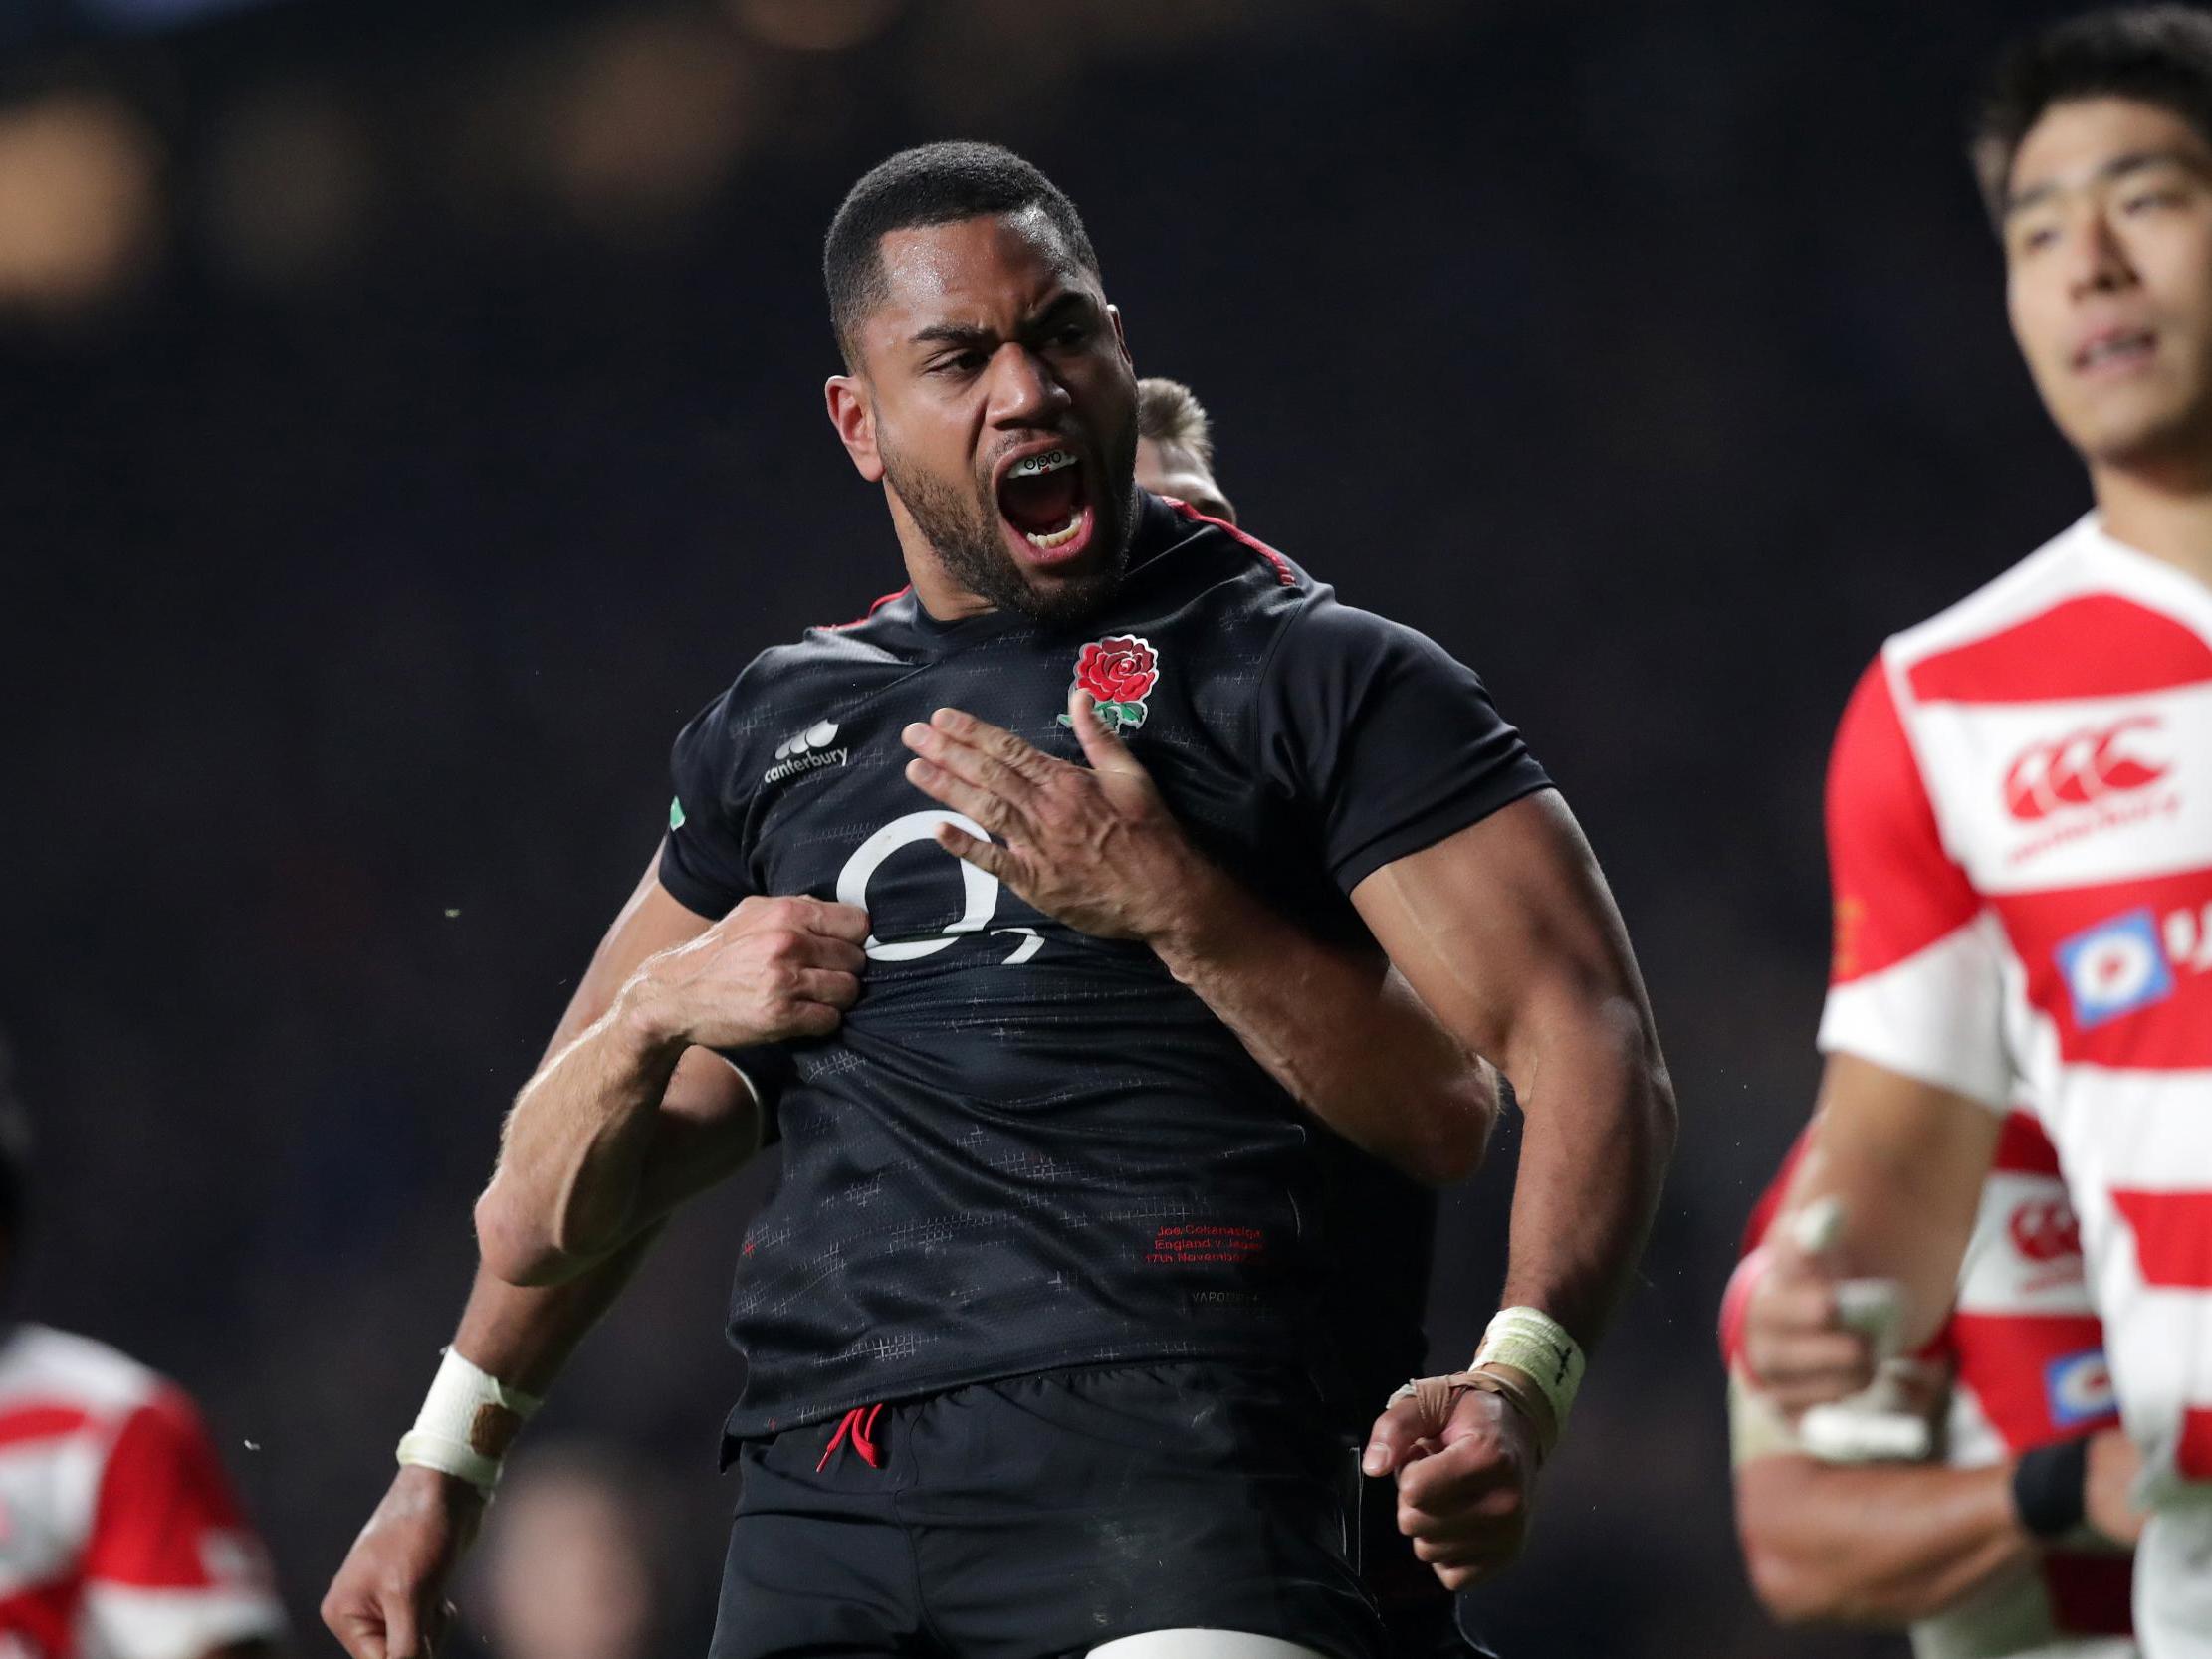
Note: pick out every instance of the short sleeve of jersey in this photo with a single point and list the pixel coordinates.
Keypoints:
(171, 1569)
(1917, 982)
(702, 863)
(768, 1070)
(1388, 741)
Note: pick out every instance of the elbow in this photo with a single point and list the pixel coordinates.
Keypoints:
(1790, 1593)
(1807, 1561)
(1622, 1023)
(1443, 1166)
(1665, 1114)
(1466, 1120)
(515, 1247)
(1789, 1580)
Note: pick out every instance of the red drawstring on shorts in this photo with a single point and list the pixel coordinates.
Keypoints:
(860, 1424)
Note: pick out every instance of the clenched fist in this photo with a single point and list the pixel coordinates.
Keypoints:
(1464, 1485)
(1802, 1342)
(771, 970)
(388, 1599)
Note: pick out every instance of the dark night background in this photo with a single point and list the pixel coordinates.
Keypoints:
(406, 422)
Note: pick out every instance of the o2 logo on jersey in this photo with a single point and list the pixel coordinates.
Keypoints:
(978, 889)
(2115, 967)
(2079, 1388)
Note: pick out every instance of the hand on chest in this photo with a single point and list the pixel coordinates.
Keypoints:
(837, 812)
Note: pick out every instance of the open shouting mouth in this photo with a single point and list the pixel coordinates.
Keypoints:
(1044, 499)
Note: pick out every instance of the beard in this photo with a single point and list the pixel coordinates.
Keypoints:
(961, 529)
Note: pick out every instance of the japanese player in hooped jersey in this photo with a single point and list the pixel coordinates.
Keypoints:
(2017, 1372)
(2020, 809)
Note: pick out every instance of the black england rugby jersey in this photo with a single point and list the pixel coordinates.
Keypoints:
(1028, 1148)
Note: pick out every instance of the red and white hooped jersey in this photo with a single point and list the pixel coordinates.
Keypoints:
(2020, 829)
(119, 1537)
(2025, 1358)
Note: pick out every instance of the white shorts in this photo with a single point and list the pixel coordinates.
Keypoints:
(2173, 1580)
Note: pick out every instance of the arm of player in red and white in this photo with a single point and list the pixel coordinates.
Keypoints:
(1506, 929)
(1918, 1079)
(1880, 1545)
(1886, 1544)
(171, 1571)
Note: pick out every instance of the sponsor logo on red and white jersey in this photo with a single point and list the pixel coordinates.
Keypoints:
(2115, 967)
(2080, 1388)
(2084, 768)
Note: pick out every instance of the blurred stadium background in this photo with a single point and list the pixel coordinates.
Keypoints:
(411, 414)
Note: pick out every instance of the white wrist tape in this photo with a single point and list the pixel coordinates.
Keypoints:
(1878, 1424)
(466, 1422)
(1533, 1342)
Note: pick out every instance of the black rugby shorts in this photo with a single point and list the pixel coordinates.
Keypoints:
(1044, 1515)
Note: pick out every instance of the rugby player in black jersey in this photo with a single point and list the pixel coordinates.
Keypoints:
(1384, 1237)
(1034, 1319)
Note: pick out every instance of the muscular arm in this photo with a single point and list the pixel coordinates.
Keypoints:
(384, 1601)
(631, 1111)
(1340, 1029)
(1507, 932)
(1882, 1545)
(1098, 847)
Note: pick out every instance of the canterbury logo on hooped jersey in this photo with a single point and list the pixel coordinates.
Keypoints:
(2080, 769)
(2044, 1229)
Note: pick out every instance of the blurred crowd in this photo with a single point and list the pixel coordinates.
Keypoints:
(412, 419)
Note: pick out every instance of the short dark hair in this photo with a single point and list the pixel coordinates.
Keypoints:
(2159, 54)
(931, 184)
(1169, 412)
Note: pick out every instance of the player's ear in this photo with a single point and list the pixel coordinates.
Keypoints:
(1121, 336)
(854, 417)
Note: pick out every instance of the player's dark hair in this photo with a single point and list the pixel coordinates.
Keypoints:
(931, 184)
(2159, 54)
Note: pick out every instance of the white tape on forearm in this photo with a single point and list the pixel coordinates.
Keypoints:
(1880, 1424)
(467, 1420)
(1538, 1346)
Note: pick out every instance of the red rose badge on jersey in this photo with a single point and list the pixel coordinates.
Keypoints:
(1119, 672)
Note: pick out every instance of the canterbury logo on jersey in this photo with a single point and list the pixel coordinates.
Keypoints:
(807, 752)
(2044, 1229)
(2082, 768)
